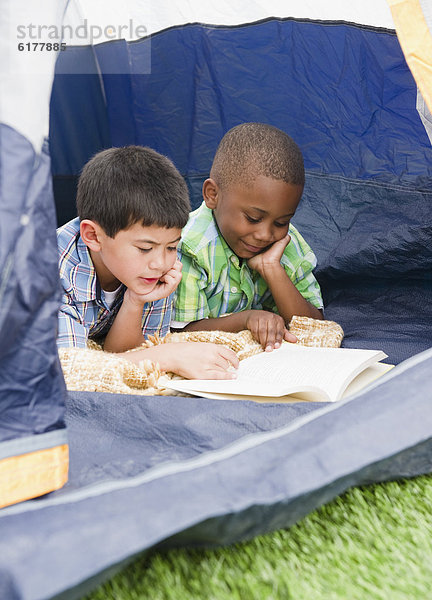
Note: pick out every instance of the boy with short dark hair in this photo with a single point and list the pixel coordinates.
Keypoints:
(118, 262)
(244, 265)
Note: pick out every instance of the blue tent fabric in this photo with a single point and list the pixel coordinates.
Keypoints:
(374, 261)
(206, 473)
(78, 119)
(311, 85)
(32, 388)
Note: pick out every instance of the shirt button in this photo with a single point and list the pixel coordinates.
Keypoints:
(233, 259)
(233, 289)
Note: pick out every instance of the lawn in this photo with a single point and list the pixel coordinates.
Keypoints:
(371, 543)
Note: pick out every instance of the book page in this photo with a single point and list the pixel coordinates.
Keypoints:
(366, 377)
(321, 373)
(362, 380)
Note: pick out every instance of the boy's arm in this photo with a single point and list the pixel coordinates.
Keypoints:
(288, 299)
(194, 360)
(126, 331)
(233, 323)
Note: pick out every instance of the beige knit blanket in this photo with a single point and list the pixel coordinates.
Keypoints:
(93, 370)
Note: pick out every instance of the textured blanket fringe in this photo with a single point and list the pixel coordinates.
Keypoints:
(316, 333)
(92, 370)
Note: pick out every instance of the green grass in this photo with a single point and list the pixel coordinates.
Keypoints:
(371, 543)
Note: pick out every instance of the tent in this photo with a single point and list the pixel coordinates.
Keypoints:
(175, 76)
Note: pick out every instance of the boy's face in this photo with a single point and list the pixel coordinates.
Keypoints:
(252, 218)
(137, 257)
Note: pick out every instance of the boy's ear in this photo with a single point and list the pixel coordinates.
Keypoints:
(210, 193)
(91, 234)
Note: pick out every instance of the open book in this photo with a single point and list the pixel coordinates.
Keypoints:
(292, 373)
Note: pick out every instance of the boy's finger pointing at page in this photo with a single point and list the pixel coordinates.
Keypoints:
(269, 342)
(275, 332)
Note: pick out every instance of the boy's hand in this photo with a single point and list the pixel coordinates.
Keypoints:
(270, 258)
(202, 360)
(165, 286)
(194, 360)
(268, 329)
(167, 283)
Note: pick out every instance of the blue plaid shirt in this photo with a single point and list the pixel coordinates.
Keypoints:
(84, 312)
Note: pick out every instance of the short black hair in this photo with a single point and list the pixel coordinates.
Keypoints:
(252, 149)
(119, 187)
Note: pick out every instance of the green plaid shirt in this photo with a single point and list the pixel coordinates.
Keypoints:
(215, 281)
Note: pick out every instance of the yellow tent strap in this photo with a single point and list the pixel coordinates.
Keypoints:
(416, 42)
(34, 474)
